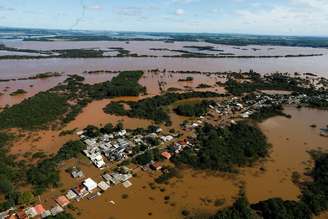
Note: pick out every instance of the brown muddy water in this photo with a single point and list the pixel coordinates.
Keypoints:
(50, 141)
(150, 80)
(197, 191)
(145, 47)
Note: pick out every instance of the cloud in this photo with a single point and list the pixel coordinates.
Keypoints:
(184, 1)
(290, 19)
(2, 8)
(94, 7)
(179, 12)
(314, 4)
(129, 11)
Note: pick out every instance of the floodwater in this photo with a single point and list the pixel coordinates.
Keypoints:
(197, 191)
(50, 141)
(290, 139)
(146, 47)
(150, 80)
(23, 68)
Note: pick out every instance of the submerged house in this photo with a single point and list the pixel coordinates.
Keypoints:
(324, 132)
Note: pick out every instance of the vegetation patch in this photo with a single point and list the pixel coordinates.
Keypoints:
(313, 201)
(45, 174)
(18, 92)
(194, 109)
(35, 112)
(153, 108)
(224, 148)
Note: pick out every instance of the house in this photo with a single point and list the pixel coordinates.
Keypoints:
(31, 212)
(127, 184)
(56, 210)
(90, 184)
(166, 138)
(121, 133)
(76, 173)
(71, 194)
(81, 191)
(166, 155)
(324, 132)
(103, 186)
(39, 209)
(21, 215)
(80, 133)
(118, 177)
(46, 214)
(62, 201)
(156, 166)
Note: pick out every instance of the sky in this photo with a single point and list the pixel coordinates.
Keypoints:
(278, 17)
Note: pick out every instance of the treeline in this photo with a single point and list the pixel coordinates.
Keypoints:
(267, 112)
(313, 200)
(225, 148)
(46, 174)
(276, 81)
(65, 101)
(79, 53)
(125, 84)
(153, 108)
(11, 173)
(35, 112)
(194, 109)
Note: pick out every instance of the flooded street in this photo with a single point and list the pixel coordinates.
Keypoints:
(197, 191)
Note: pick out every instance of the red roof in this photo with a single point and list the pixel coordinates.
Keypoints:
(39, 209)
(62, 201)
(166, 155)
(156, 166)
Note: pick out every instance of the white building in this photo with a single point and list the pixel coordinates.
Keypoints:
(90, 184)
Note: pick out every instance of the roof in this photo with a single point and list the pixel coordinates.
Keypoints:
(166, 155)
(156, 166)
(127, 184)
(90, 184)
(45, 214)
(39, 209)
(62, 201)
(103, 186)
(71, 194)
(56, 210)
(31, 212)
(21, 214)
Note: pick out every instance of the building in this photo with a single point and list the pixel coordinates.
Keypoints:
(166, 155)
(324, 132)
(81, 191)
(46, 214)
(127, 184)
(76, 173)
(90, 184)
(39, 209)
(103, 186)
(71, 194)
(56, 210)
(62, 201)
(156, 166)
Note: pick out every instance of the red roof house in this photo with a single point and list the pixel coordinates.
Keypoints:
(39, 209)
(62, 201)
(166, 155)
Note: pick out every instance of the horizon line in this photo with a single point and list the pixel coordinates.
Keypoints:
(164, 32)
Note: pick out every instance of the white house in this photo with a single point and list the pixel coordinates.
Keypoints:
(90, 184)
